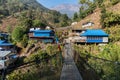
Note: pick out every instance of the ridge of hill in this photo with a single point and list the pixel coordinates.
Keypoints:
(96, 16)
(68, 9)
(12, 10)
(8, 7)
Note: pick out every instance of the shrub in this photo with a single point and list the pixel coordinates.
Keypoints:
(52, 49)
(106, 70)
(109, 19)
(85, 12)
(18, 33)
(115, 2)
(37, 56)
(24, 41)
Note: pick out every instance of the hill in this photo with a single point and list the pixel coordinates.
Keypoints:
(14, 12)
(8, 7)
(96, 16)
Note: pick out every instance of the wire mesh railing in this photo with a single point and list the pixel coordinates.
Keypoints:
(104, 69)
(48, 68)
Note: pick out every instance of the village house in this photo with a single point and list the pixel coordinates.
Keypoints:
(46, 36)
(87, 25)
(4, 45)
(89, 36)
(73, 23)
(95, 36)
(7, 57)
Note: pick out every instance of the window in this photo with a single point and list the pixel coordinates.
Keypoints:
(94, 38)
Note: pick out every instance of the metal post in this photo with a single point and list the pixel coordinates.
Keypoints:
(3, 74)
(61, 57)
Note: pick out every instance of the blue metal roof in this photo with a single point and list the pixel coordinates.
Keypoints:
(4, 43)
(48, 31)
(94, 32)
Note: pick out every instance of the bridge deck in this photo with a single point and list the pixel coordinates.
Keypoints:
(69, 70)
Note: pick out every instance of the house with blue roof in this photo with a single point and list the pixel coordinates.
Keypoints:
(46, 36)
(4, 45)
(95, 36)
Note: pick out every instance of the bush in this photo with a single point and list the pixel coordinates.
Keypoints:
(85, 12)
(18, 33)
(24, 41)
(109, 19)
(52, 49)
(38, 23)
(114, 33)
(106, 70)
(37, 56)
(115, 2)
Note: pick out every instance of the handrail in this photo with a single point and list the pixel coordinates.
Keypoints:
(23, 64)
(87, 56)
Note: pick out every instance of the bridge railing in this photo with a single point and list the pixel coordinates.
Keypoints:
(102, 69)
(49, 67)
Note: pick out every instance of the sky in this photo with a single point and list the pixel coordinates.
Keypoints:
(52, 3)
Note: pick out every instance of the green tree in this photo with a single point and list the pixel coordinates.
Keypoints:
(109, 19)
(65, 17)
(18, 33)
(52, 49)
(82, 1)
(103, 16)
(24, 41)
(98, 3)
(87, 8)
(86, 2)
(75, 17)
(115, 1)
(81, 12)
(65, 20)
(38, 23)
(26, 19)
